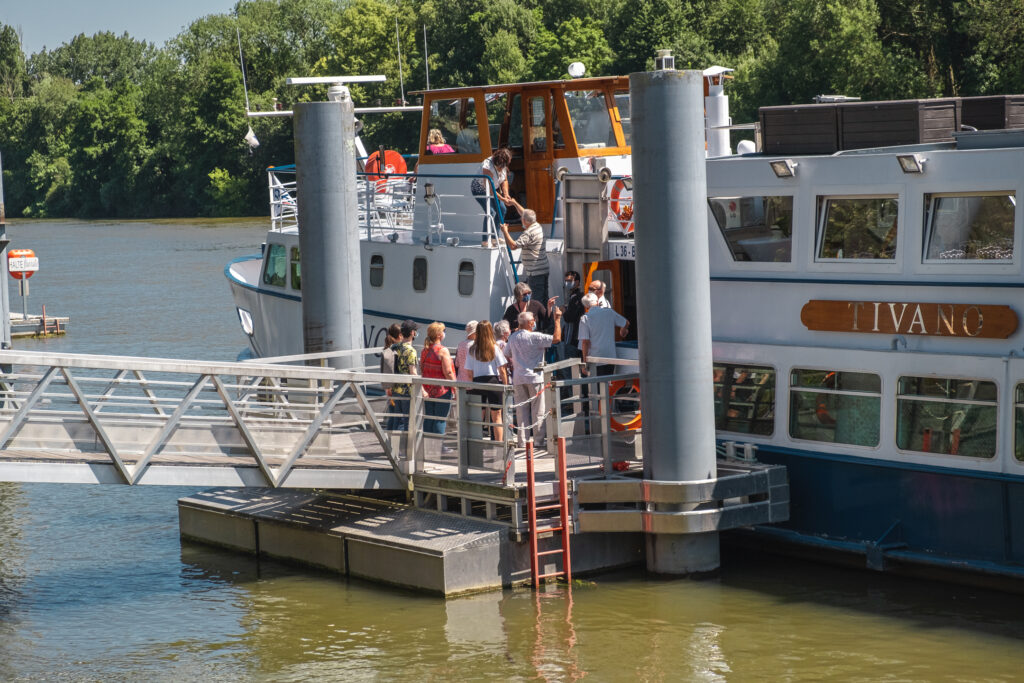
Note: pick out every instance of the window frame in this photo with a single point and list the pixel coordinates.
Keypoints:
(880, 395)
(994, 405)
(472, 277)
(775, 400)
(415, 263)
(928, 199)
(721, 229)
(295, 268)
(821, 201)
(483, 131)
(376, 267)
(271, 247)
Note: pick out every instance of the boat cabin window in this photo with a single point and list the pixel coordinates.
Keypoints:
(376, 270)
(835, 407)
(296, 268)
(275, 266)
(497, 108)
(857, 227)
(970, 227)
(466, 277)
(622, 104)
(756, 228)
(1018, 423)
(537, 131)
(947, 416)
(515, 125)
(744, 399)
(457, 121)
(419, 274)
(591, 120)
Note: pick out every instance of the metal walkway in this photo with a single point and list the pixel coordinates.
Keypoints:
(74, 418)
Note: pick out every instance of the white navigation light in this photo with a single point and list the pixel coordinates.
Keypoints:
(577, 69)
(784, 168)
(911, 163)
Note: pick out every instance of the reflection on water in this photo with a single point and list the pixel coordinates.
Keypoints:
(95, 585)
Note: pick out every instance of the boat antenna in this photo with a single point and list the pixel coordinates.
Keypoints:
(241, 60)
(401, 81)
(426, 56)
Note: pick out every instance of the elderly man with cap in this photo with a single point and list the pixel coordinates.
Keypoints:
(406, 363)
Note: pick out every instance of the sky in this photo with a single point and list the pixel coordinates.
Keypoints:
(50, 23)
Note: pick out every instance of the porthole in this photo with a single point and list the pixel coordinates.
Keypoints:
(376, 270)
(419, 274)
(467, 273)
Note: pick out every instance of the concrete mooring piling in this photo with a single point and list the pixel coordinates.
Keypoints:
(674, 300)
(325, 174)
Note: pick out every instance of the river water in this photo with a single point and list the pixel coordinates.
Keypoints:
(95, 584)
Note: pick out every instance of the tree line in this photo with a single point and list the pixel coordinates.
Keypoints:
(110, 126)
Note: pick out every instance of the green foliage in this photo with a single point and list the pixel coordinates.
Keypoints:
(107, 125)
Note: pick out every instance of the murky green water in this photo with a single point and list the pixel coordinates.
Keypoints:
(95, 584)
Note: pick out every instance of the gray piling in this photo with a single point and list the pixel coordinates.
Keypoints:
(325, 173)
(673, 299)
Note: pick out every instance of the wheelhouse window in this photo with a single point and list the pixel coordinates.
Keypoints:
(296, 268)
(419, 274)
(756, 228)
(947, 416)
(858, 228)
(496, 110)
(835, 407)
(275, 266)
(457, 121)
(376, 270)
(975, 227)
(744, 399)
(622, 103)
(466, 277)
(591, 121)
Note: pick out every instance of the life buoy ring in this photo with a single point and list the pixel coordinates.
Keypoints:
(393, 163)
(632, 424)
(622, 207)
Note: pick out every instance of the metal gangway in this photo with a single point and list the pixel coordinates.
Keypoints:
(285, 422)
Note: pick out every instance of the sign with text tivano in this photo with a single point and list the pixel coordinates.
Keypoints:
(977, 321)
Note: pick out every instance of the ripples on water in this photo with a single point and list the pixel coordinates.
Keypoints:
(95, 585)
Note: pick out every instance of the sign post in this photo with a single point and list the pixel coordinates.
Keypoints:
(22, 264)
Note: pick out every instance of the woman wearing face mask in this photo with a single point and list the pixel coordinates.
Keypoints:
(573, 311)
(524, 302)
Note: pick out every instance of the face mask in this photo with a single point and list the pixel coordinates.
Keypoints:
(526, 298)
(569, 284)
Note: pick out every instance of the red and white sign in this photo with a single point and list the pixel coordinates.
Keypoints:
(22, 263)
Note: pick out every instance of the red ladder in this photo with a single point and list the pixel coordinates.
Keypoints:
(562, 527)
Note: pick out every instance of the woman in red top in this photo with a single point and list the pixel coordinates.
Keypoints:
(436, 362)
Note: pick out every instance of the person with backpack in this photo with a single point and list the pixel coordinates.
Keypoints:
(406, 363)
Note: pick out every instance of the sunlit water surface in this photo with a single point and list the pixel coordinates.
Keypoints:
(96, 585)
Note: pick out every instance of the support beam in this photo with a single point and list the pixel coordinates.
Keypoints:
(674, 300)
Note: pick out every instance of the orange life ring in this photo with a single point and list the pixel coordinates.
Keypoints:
(622, 208)
(632, 424)
(393, 163)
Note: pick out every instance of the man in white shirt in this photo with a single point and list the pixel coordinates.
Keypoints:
(596, 287)
(525, 348)
(534, 253)
(597, 333)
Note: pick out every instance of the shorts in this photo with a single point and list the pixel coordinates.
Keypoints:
(490, 397)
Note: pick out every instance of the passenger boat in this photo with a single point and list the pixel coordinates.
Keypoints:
(867, 271)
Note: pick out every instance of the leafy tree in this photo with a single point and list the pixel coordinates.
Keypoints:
(640, 27)
(997, 63)
(102, 55)
(575, 40)
(12, 64)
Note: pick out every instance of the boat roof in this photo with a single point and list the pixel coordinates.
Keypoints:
(574, 84)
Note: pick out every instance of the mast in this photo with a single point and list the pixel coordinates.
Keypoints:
(401, 81)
